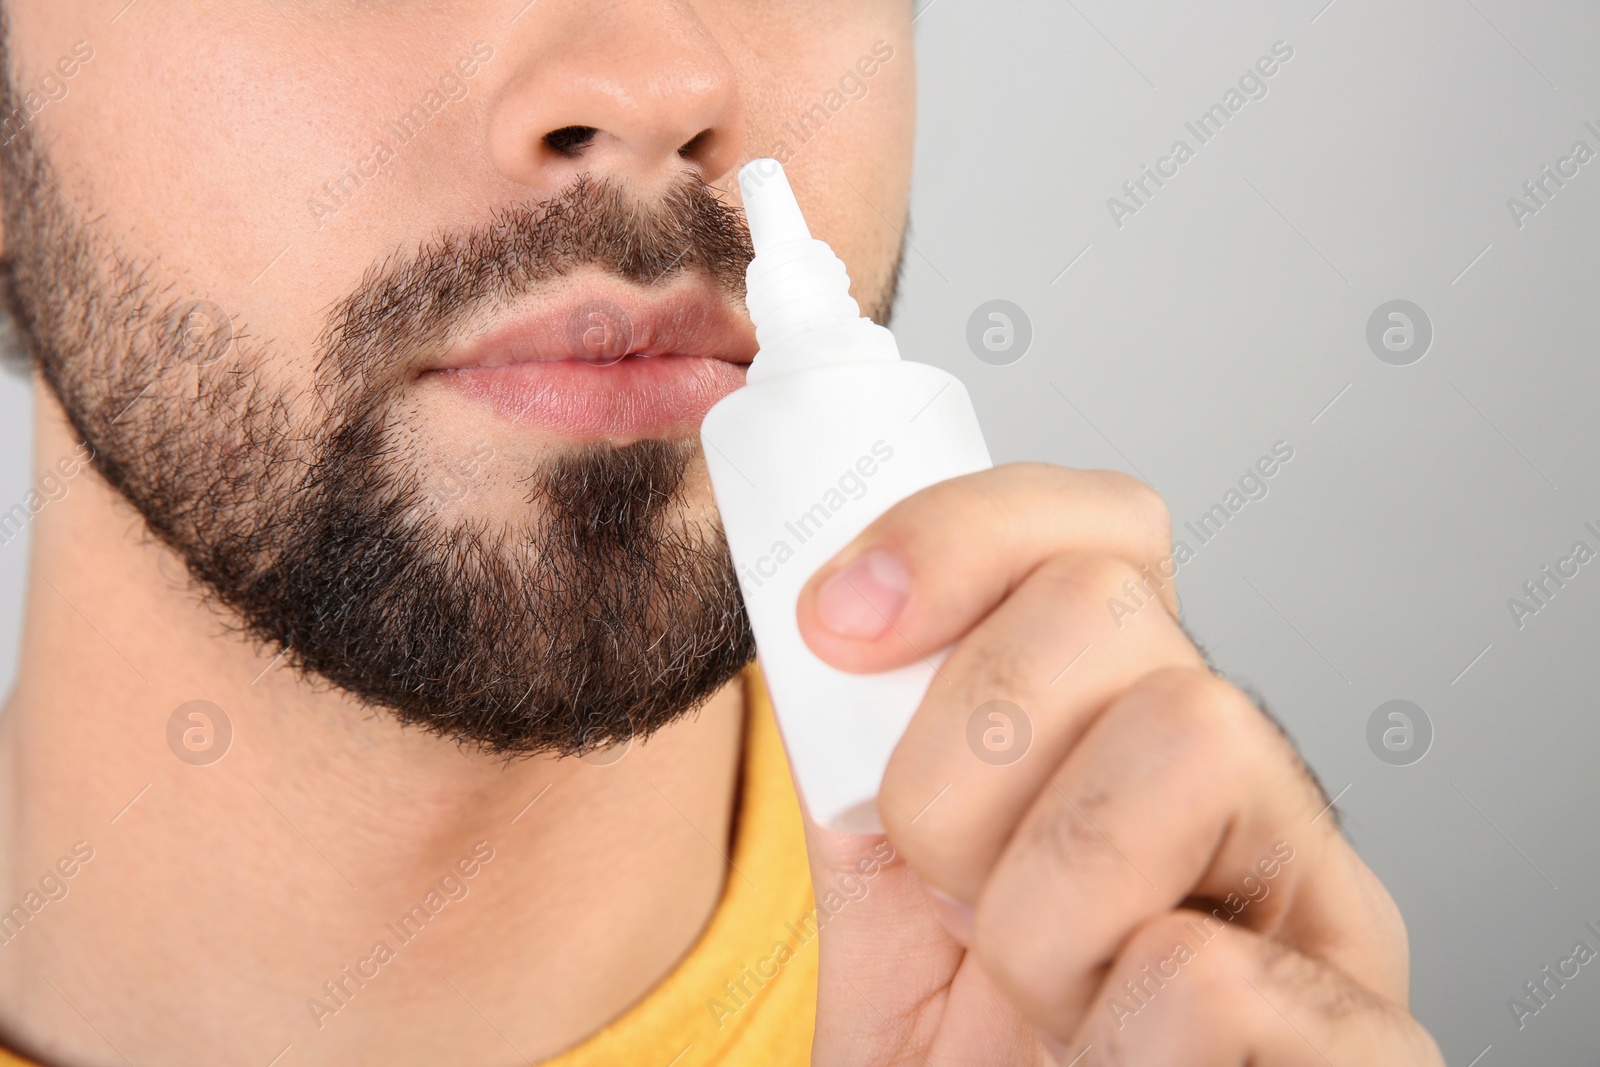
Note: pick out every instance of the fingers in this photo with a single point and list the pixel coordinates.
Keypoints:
(1178, 791)
(1007, 705)
(932, 566)
(1180, 996)
(1146, 781)
(1115, 834)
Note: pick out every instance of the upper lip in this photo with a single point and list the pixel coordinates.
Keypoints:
(695, 320)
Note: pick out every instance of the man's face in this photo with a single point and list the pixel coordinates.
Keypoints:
(397, 320)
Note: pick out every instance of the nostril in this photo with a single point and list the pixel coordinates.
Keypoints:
(570, 140)
(696, 145)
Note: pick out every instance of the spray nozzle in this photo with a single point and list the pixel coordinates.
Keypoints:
(770, 206)
(796, 286)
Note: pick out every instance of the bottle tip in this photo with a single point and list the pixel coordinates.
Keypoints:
(770, 206)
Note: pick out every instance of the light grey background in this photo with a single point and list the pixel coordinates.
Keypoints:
(1227, 315)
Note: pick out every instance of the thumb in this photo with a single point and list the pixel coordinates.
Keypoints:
(882, 951)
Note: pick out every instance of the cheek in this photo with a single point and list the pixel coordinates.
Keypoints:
(165, 93)
(866, 141)
(877, 154)
(201, 131)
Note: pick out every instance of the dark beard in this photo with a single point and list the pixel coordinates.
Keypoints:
(609, 613)
(607, 623)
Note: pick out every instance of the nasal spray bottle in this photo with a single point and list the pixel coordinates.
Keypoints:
(832, 429)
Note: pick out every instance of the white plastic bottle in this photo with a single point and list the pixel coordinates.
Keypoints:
(832, 429)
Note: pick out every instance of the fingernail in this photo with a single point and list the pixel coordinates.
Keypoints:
(952, 914)
(863, 599)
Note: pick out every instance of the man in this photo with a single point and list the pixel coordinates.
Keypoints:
(387, 329)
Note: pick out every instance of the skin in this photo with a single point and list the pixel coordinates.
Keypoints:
(1156, 807)
(230, 893)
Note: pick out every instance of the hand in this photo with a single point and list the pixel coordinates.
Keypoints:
(1155, 879)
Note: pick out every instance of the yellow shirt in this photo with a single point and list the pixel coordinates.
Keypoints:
(746, 993)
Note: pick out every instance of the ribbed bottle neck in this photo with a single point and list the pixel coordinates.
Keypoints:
(797, 287)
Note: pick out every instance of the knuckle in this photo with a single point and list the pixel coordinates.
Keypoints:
(1388, 923)
(1151, 517)
(1038, 972)
(1196, 712)
(937, 833)
(1236, 955)
(1170, 966)
(1090, 578)
(1097, 595)
(1196, 717)
(1150, 507)
(1152, 940)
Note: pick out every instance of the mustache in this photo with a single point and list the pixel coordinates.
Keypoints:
(416, 302)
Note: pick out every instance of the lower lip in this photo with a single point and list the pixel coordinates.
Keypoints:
(636, 397)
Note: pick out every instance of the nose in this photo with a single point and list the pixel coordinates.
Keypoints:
(638, 91)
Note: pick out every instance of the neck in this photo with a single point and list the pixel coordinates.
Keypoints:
(334, 883)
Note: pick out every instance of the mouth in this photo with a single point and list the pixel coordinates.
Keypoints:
(605, 360)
